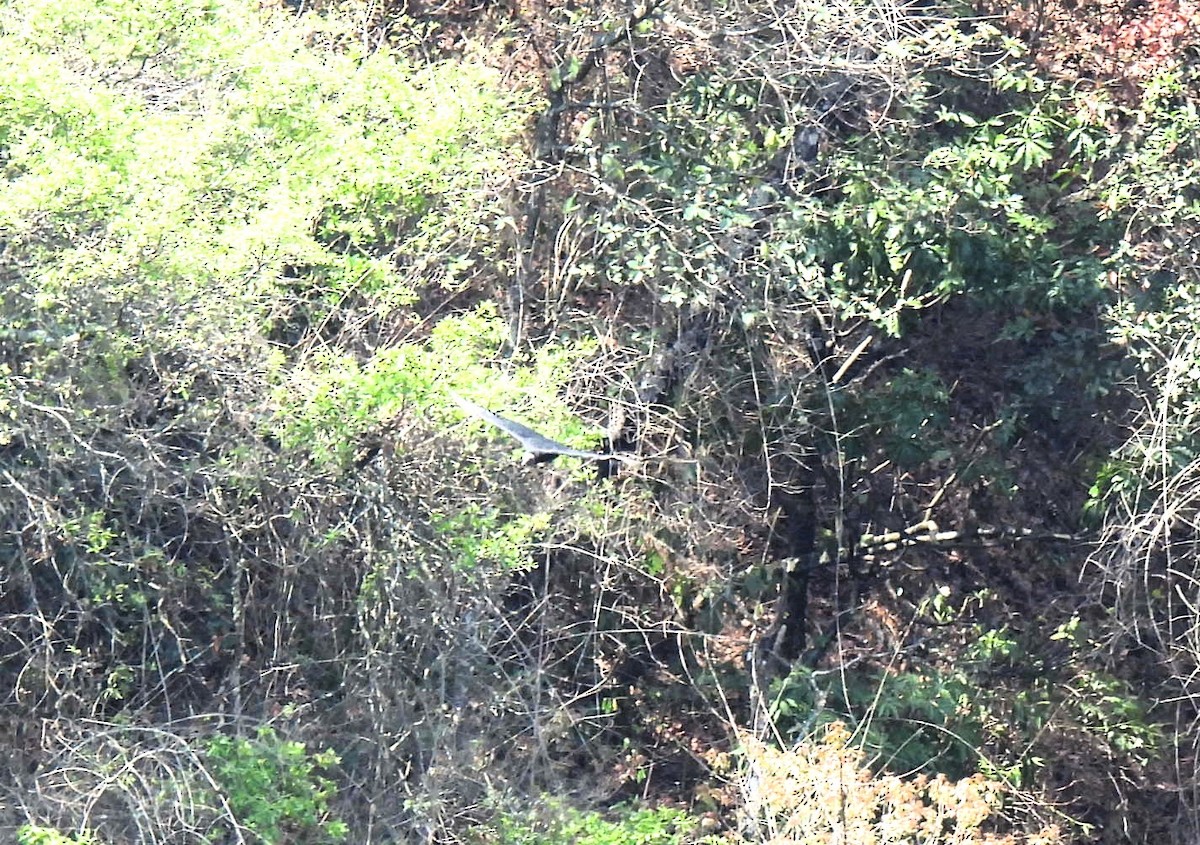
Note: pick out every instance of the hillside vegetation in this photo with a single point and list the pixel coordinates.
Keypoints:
(886, 310)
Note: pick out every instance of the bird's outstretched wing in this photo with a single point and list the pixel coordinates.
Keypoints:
(538, 446)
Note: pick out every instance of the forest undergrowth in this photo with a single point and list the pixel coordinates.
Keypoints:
(887, 311)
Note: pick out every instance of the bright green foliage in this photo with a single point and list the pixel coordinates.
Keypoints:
(275, 787)
(328, 399)
(32, 834)
(561, 825)
(207, 183)
(205, 157)
(486, 539)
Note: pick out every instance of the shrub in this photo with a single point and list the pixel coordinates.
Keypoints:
(275, 787)
(1001, 709)
(559, 824)
(32, 834)
(326, 402)
(253, 170)
(821, 792)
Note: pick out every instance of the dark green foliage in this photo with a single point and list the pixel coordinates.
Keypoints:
(997, 711)
(905, 417)
(910, 721)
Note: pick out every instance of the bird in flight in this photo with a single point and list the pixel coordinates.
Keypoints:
(538, 448)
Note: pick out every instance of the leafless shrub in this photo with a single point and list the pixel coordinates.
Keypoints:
(1147, 564)
(1148, 559)
(872, 52)
(128, 783)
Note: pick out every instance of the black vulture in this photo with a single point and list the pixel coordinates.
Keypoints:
(538, 448)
